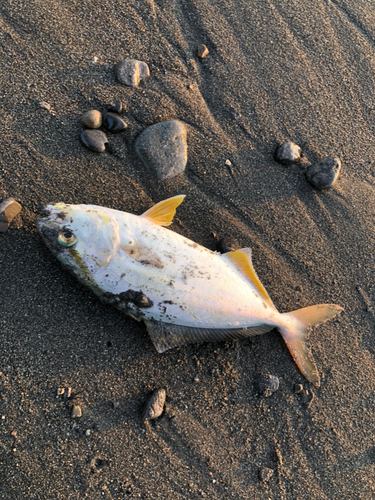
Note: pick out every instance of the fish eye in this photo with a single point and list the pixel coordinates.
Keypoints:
(66, 239)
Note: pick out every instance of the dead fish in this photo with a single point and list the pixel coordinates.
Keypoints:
(183, 292)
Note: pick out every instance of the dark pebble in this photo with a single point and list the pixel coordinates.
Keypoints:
(266, 384)
(298, 388)
(114, 123)
(155, 405)
(163, 149)
(115, 107)
(265, 474)
(202, 51)
(225, 245)
(94, 140)
(324, 174)
(288, 153)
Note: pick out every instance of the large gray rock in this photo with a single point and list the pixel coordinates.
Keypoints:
(162, 148)
(131, 72)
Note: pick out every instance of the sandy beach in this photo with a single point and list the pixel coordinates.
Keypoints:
(277, 71)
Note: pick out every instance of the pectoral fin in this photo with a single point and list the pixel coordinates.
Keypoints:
(163, 212)
(165, 336)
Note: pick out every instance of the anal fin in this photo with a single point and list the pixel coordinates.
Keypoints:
(165, 336)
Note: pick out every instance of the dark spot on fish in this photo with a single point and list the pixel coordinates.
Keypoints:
(131, 252)
(122, 275)
(167, 302)
(153, 263)
(171, 283)
(139, 299)
(61, 215)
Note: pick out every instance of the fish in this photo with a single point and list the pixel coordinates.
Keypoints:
(182, 291)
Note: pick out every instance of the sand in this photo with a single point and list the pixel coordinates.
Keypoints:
(293, 70)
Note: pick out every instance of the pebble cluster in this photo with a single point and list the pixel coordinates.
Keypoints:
(322, 175)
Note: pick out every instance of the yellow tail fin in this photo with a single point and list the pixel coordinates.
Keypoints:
(296, 337)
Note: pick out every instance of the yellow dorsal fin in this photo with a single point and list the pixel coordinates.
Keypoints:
(242, 260)
(163, 212)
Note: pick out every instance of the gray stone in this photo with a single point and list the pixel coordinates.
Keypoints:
(266, 384)
(155, 405)
(162, 148)
(131, 72)
(94, 140)
(202, 51)
(92, 119)
(9, 208)
(324, 174)
(288, 153)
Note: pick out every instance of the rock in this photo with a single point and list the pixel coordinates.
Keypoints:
(288, 153)
(162, 148)
(324, 174)
(92, 119)
(265, 474)
(266, 384)
(131, 72)
(60, 391)
(94, 140)
(114, 123)
(202, 51)
(155, 405)
(76, 412)
(115, 107)
(298, 388)
(9, 208)
(45, 105)
(225, 245)
(228, 163)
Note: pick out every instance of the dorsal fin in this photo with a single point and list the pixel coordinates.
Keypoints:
(163, 212)
(242, 260)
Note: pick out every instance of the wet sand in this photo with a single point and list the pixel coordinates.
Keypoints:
(276, 71)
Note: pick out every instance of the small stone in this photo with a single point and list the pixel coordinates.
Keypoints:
(196, 380)
(88, 432)
(131, 72)
(228, 162)
(298, 388)
(9, 208)
(265, 474)
(92, 119)
(45, 105)
(202, 51)
(225, 245)
(155, 405)
(162, 148)
(68, 393)
(60, 391)
(324, 174)
(266, 384)
(114, 123)
(288, 153)
(94, 140)
(235, 115)
(115, 107)
(76, 412)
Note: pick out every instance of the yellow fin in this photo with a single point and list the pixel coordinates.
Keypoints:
(242, 260)
(163, 212)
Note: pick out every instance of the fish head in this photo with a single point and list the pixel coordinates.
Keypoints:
(84, 238)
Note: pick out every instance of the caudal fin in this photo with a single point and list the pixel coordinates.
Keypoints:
(296, 336)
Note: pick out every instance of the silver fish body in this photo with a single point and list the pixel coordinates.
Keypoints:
(183, 291)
